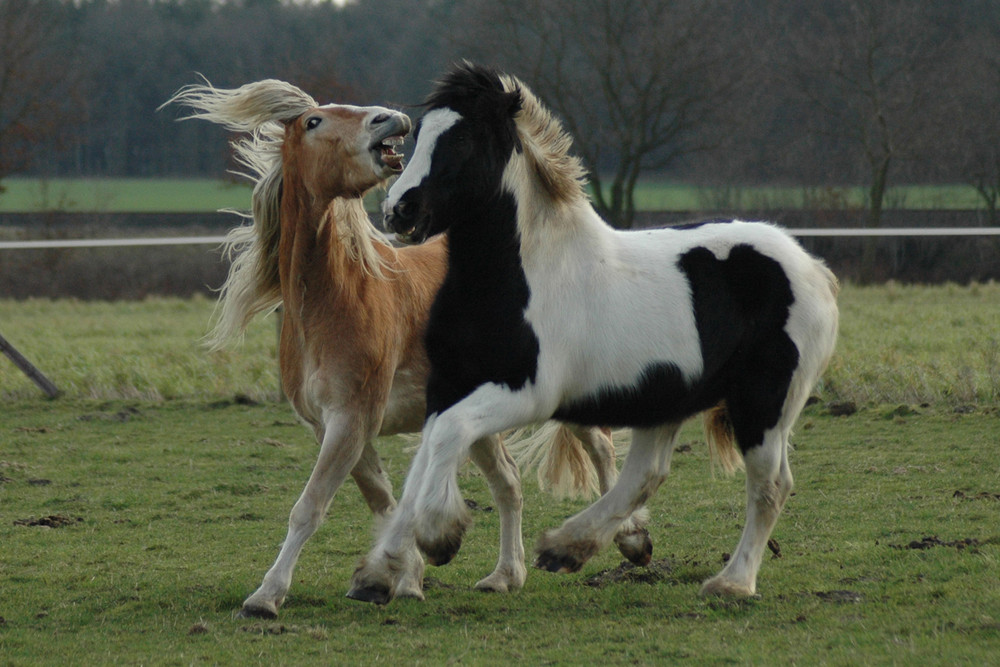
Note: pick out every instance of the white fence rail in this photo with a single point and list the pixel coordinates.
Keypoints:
(217, 240)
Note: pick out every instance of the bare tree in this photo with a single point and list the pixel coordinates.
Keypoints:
(33, 79)
(872, 72)
(639, 83)
(975, 137)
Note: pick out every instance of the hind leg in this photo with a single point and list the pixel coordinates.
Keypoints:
(504, 481)
(632, 538)
(769, 483)
(567, 548)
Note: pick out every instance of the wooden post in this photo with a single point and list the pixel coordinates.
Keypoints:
(36, 375)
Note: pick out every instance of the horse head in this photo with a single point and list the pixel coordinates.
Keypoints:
(343, 150)
(464, 142)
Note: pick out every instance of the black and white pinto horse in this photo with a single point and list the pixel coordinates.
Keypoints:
(546, 312)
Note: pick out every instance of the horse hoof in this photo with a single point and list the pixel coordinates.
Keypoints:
(373, 593)
(503, 580)
(441, 551)
(636, 546)
(555, 555)
(410, 593)
(265, 610)
(717, 586)
(558, 563)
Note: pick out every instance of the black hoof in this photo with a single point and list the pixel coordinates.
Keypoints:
(560, 563)
(257, 612)
(373, 593)
(442, 551)
(637, 547)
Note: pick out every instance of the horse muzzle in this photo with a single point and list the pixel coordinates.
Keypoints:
(405, 220)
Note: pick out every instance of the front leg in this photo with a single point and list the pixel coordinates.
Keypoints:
(440, 514)
(504, 480)
(343, 442)
(385, 567)
(431, 512)
(632, 538)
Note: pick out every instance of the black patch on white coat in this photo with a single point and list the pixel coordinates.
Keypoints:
(477, 333)
(741, 305)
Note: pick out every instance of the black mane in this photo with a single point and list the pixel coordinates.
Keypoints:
(467, 84)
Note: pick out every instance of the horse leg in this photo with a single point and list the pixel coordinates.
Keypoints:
(376, 577)
(376, 489)
(567, 548)
(632, 538)
(769, 483)
(342, 446)
(431, 512)
(504, 481)
(440, 515)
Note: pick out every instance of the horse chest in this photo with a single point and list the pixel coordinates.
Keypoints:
(477, 334)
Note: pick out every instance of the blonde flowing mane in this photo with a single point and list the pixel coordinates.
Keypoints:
(253, 285)
(547, 145)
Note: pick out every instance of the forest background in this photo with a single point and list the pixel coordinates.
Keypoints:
(827, 98)
(827, 93)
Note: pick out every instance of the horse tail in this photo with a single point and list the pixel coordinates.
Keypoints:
(721, 439)
(831, 280)
(563, 467)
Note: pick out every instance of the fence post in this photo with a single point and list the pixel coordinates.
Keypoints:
(28, 369)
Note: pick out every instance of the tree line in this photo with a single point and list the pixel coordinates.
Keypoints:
(831, 92)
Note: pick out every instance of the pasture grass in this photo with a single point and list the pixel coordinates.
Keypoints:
(659, 195)
(123, 195)
(139, 510)
(153, 521)
(197, 195)
(899, 345)
(151, 349)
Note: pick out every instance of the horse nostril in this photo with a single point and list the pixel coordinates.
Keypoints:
(402, 210)
(381, 118)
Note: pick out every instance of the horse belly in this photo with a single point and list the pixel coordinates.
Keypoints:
(660, 395)
(406, 407)
(625, 347)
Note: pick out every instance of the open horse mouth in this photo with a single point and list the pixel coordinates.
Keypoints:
(385, 150)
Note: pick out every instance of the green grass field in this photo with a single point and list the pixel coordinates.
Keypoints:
(140, 509)
(123, 195)
(176, 195)
(898, 344)
(132, 531)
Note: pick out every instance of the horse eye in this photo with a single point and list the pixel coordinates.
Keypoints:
(313, 123)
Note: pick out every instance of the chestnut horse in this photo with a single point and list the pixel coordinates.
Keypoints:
(351, 350)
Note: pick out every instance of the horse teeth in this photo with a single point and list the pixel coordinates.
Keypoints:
(392, 141)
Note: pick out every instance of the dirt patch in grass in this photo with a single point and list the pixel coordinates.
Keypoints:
(934, 541)
(982, 495)
(627, 572)
(51, 521)
(840, 596)
(841, 408)
(317, 633)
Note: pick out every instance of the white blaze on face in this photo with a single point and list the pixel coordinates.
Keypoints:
(433, 125)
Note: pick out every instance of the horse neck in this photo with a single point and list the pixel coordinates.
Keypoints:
(483, 241)
(314, 262)
(546, 227)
